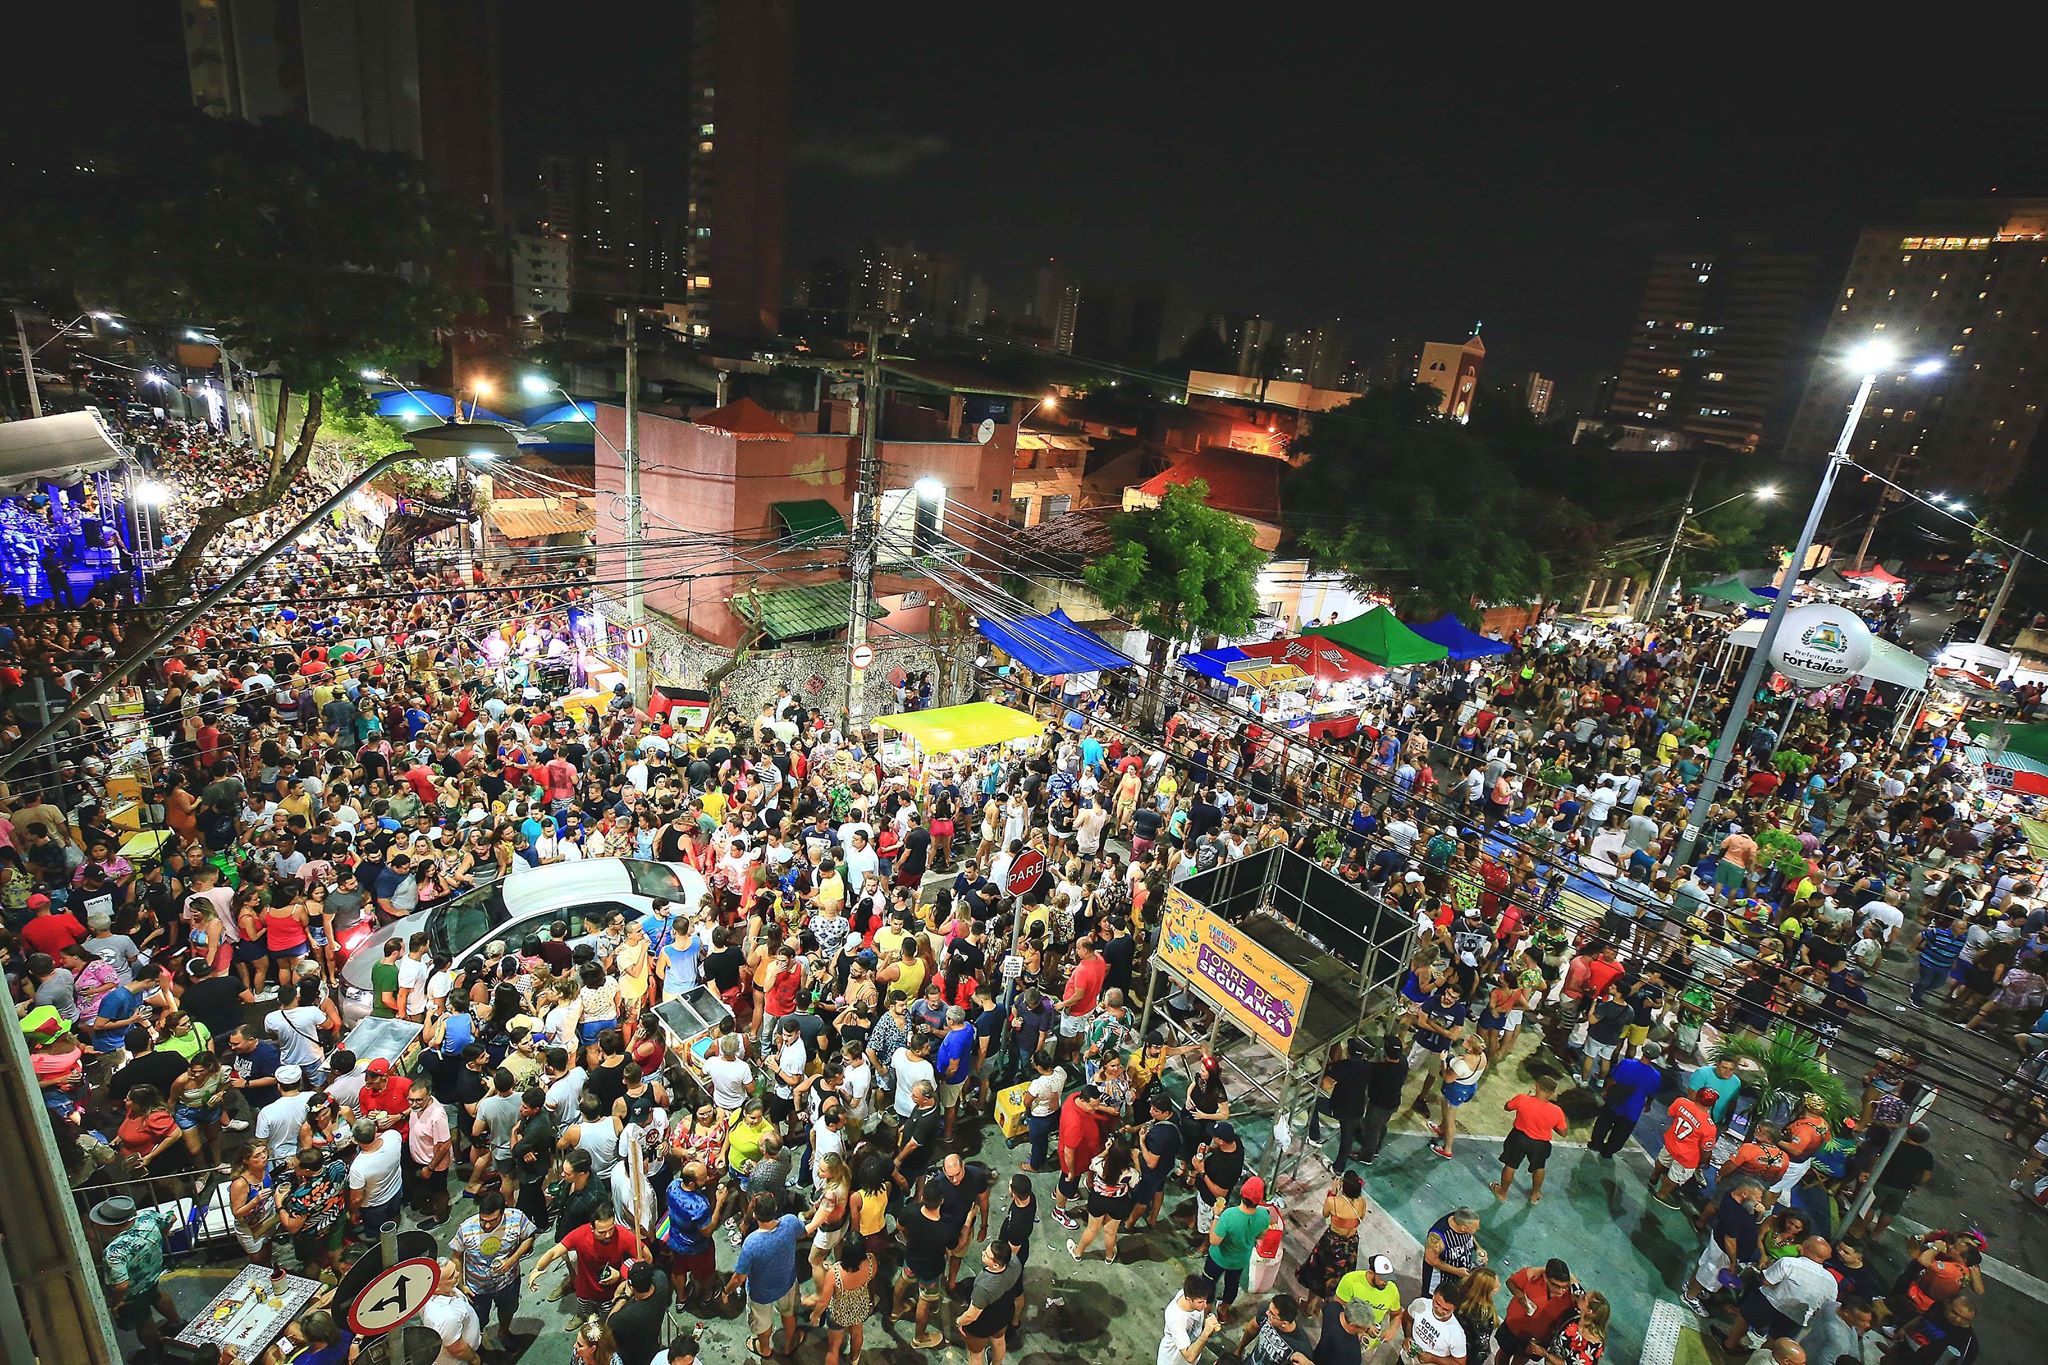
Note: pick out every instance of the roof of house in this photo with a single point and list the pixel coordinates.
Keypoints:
(1241, 483)
(1049, 440)
(940, 374)
(519, 518)
(746, 420)
(790, 613)
(1084, 531)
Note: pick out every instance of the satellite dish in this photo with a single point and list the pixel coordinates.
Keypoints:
(986, 432)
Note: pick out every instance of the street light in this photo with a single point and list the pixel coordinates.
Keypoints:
(1653, 600)
(1868, 361)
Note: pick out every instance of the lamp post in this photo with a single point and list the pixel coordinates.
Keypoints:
(1870, 360)
(1653, 600)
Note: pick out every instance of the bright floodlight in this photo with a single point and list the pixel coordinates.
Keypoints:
(150, 493)
(1927, 367)
(103, 317)
(372, 375)
(1051, 400)
(1767, 492)
(482, 454)
(536, 383)
(1872, 356)
(930, 489)
(481, 386)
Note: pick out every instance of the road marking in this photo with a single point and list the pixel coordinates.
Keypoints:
(1660, 1337)
(2004, 1272)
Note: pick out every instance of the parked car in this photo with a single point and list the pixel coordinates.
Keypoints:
(512, 908)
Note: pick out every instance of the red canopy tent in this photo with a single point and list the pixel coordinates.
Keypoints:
(1876, 573)
(1315, 656)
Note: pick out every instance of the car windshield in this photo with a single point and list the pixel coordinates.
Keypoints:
(456, 924)
(657, 881)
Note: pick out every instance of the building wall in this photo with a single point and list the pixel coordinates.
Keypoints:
(740, 77)
(1967, 283)
(699, 480)
(541, 278)
(1709, 347)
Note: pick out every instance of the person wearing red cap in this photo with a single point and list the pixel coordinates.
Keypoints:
(53, 929)
(383, 1096)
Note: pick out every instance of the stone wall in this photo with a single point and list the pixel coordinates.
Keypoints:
(816, 673)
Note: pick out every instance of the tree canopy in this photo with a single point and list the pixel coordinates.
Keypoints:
(1399, 499)
(310, 258)
(1181, 569)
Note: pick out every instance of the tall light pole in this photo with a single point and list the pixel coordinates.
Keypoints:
(1871, 359)
(2012, 571)
(1653, 601)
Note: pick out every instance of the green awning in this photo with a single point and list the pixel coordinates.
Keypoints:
(793, 613)
(1727, 590)
(810, 521)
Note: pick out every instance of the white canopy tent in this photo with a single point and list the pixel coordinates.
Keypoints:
(1888, 663)
(58, 448)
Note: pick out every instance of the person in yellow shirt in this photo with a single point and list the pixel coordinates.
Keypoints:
(714, 801)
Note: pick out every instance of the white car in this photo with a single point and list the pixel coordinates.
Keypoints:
(514, 907)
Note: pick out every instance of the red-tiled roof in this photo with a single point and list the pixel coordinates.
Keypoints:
(747, 421)
(1239, 482)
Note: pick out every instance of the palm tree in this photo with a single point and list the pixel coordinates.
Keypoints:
(1783, 1066)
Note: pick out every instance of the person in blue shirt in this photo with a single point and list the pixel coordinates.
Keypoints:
(693, 1263)
(954, 1063)
(1631, 1085)
(1720, 1078)
(117, 1007)
(767, 1265)
(1091, 754)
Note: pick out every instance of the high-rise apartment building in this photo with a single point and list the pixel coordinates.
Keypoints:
(1315, 355)
(598, 204)
(542, 273)
(1966, 282)
(1393, 363)
(1137, 321)
(1708, 350)
(741, 53)
(1056, 304)
(1536, 392)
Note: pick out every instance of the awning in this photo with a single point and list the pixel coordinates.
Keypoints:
(2010, 737)
(1049, 643)
(1214, 664)
(422, 405)
(969, 726)
(810, 521)
(791, 613)
(58, 448)
(1318, 658)
(1380, 637)
(1876, 573)
(519, 518)
(1453, 635)
(1727, 590)
(1260, 673)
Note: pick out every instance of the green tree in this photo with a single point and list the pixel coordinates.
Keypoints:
(1399, 499)
(310, 257)
(1179, 571)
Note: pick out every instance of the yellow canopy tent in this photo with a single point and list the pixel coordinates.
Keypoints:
(963, 727)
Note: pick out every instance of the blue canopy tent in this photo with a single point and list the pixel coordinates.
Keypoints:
(1050, 643)
(420, 405)
(1214, 664)
(1451, 633)
(584, 410)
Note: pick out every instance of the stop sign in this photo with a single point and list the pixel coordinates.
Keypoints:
(1025, 872)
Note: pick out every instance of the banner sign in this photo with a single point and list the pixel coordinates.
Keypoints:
(1262, 994)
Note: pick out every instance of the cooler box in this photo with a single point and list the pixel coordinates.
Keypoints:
(1012, 1106)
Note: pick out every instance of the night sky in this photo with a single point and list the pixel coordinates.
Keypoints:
(1411, 176)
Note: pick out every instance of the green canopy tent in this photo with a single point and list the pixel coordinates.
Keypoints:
(1728, 590)
(1379, 636)
(2030, 741)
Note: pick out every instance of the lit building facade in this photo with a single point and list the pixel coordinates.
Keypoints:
(741, 55)
(1452, 369)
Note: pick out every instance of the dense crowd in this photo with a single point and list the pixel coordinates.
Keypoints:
(352, 744)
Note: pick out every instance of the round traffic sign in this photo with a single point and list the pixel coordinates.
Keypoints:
(394, 1296)
(1025, 873)
(638, 636)
(863, 655)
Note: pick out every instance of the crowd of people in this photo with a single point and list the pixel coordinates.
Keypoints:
(351, 743)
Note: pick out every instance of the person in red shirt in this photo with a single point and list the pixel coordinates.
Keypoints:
(1538, 1121)
(1539, 1298)
(1760, 1158)
(1085, 1122)
(385, 1092)
(52, 930)
(1084, 988)
(1687, 1139)
(600, 1247)
(1603, 971)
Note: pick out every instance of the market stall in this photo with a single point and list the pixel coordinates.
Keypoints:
(1379, 636)
(1462, 642)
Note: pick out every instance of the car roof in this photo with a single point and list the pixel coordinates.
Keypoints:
(554, 885)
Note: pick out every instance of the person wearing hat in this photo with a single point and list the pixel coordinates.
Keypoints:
(133, 1260)
(1372, 1286)
(1233, 1239)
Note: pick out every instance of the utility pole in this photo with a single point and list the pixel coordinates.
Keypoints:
(866, 505)
(2012, 572)
(28, 366)
(1653, 601)
(1760, 657)
(636, 605)
(1884, 495)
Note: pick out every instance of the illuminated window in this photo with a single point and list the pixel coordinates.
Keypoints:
(1716, 376)
(701, 282)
